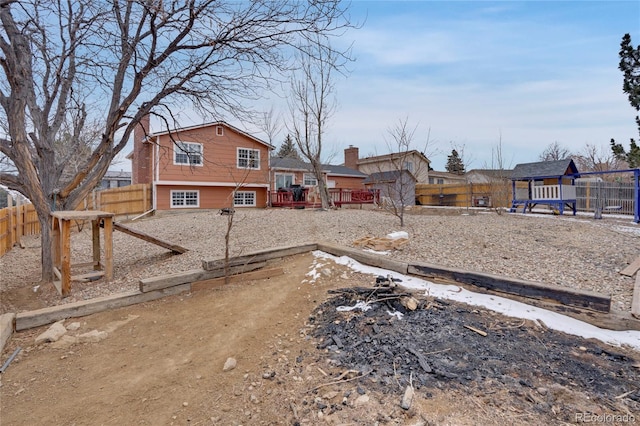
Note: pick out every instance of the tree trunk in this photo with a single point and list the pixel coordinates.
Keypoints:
(46, 240)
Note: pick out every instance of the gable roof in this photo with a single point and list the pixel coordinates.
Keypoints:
(494, 173)
(387, 177)
(392, 156)
(544, 169)
(215, 123)
(286, 163)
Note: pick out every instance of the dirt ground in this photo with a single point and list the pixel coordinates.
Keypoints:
(161, 363)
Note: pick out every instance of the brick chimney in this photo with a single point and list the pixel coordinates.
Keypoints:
(351, 157)
(142, 159)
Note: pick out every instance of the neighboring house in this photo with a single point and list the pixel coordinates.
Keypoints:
(212, 165)
(445, 178)
(487, 175)
(397, 186)
(113, 179)
(413, 161)
(287, 172)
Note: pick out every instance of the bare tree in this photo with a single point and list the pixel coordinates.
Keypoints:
(69, 62)
(554, 152)
(396, 178)
(499, 174)
(312, 104)
(597, 159)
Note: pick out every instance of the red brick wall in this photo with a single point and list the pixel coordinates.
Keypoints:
(142, 161)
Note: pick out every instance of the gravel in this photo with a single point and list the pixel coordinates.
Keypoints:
(577, 252)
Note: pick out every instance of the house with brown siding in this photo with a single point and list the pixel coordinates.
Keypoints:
(214, 165)
(288, 172)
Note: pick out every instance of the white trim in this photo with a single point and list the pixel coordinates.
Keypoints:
(185, 206)
(220, 123)
(275, 178)
(219, 130)
(177, 150)
(225, 184)
(304, 179)
(245, 192)
(238, 148)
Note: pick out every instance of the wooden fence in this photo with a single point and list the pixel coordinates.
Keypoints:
(16, 221)
(496, 194)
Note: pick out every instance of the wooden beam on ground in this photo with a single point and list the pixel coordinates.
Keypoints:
(169, 280)
(25, 320)
(635, 302)
(248, 276)
(176, 249)
(632, 268)
(260, 256)
(6, 328)
(567, 296)
(370, 259)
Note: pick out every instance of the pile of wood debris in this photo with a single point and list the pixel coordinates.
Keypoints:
(393, 241)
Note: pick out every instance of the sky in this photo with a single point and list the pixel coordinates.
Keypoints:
(482, 77)
(470, 75)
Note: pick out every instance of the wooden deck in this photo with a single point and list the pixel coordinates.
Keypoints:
(301, 198)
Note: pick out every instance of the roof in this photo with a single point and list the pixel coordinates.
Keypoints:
(286, 163)
(215, 123)
(392, 156)
(544, 169)
(110, 174)
(385, 177)
(494, 173)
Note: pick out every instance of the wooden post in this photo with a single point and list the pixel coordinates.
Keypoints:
(95, 234)
(19, 222)
(108, 248)
(635, 302)
(10, 222)
(65, 270)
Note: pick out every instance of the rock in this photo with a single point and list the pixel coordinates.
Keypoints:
(229, 364)
(93, 336)
(53, 334)
(407, 398)
(64, 342)
(73, 326)
(409, 302)
(361, 400)
(326, 272)
(542, 391)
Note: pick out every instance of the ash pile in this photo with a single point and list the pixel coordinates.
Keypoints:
(396, 339)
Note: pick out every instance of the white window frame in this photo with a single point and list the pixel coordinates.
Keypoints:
(180, 147)
(244, 198)
(310, 177)
(219, 131)
(285, 175)
(244, 155)
(185, 198)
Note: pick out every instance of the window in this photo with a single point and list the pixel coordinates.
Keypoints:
(219, 131)
(310, 180)
(408, 165)
(185, 199)
(244, 198)
(248, 158)
(284, 180)
(187, 153)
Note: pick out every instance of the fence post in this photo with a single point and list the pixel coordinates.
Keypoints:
(19, 223)
(10, 222)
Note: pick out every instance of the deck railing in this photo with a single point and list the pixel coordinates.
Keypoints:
(303, 197)
(553, 192)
